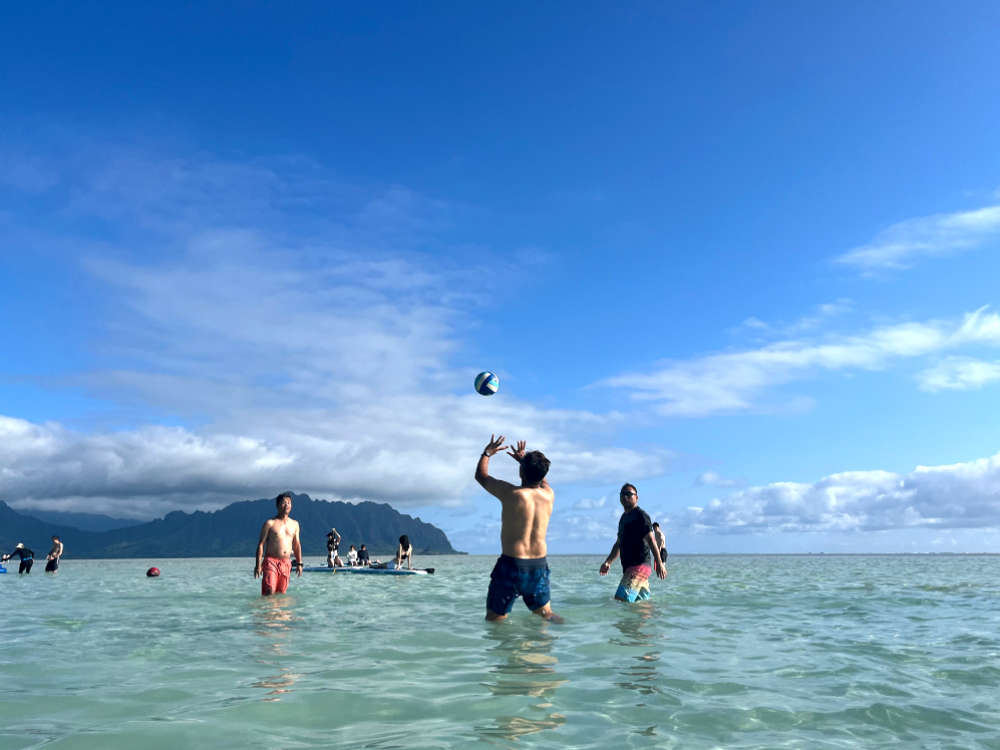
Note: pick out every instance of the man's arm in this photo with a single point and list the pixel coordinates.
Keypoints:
(496, 487)
(260, 548)
(612, 556)
(650, 539)
(297, 550)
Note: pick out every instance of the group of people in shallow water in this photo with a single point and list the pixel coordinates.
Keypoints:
(360, 558)
(522, 569)
(27, 557)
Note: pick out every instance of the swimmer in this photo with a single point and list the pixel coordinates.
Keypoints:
(634, 542)
(52, 559)
(26, 556)
(522, 569)
(279, 538)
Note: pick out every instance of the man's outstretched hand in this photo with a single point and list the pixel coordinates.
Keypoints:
(517, 454)
(494, 446)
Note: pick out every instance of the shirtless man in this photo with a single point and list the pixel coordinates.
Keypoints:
(661, 542)
(522, 569)
(52, 559)
(279, 538)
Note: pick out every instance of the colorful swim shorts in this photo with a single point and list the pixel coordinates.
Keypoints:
(518, 576)
(634, 585)
(276, 572)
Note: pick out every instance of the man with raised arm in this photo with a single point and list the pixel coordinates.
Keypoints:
(634, 542)
(279, 538)
(522, 569)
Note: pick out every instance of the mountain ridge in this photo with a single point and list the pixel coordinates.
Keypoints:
(231, 531)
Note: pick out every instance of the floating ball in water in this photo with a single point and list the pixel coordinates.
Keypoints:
(153, 573)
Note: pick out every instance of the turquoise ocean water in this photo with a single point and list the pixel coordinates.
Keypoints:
(733, 652)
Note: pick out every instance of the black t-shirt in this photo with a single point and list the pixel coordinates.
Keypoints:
(363, 555)
(632, 530)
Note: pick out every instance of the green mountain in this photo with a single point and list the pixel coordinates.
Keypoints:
(232, 531)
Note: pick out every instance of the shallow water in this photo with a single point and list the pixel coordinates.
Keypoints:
(733, 651)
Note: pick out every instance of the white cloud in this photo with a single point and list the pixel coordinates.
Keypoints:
(712, 479)
(957, 496)
(758, 328)
(958, 374)
(285, 319)
(588, 503)
(734, 382)
(900, 245)
(409, 451)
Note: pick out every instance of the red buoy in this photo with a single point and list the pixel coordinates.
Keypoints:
(152, 572)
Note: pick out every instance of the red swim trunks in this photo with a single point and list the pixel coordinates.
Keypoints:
(275, 573)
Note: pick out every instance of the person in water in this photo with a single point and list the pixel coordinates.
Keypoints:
(279, 538)
(634, 542)
(363, 559)
(404, 551)
(332, 545)
(52, 559)
(661, 543)
(26, 556)
(522, 569)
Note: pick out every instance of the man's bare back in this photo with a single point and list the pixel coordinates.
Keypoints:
(524, 518)
(522, 570)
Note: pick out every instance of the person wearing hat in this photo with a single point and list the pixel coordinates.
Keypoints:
(52, 560)
(26, 555)
(332, 545)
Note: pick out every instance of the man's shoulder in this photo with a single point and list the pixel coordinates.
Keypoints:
(641, 514)
(534, 493)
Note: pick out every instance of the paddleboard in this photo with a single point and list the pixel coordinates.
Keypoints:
(369, 571)
(3, 569)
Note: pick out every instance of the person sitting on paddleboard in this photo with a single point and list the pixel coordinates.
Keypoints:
(352, 556)
(363, 559)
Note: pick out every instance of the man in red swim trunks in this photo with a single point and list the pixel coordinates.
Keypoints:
(279, 538)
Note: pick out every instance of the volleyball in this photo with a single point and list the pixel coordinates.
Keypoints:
(487, 383)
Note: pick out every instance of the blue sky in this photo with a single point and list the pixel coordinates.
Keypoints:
(741, 255)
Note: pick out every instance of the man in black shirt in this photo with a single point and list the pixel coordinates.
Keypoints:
(27, 558)
(635, 540)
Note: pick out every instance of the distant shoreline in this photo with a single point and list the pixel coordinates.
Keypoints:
(677, 555)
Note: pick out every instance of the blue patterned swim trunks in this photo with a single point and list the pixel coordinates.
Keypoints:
(518, 576)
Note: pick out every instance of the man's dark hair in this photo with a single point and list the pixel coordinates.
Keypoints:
(629, 486)
(656, 524)
(534, 467)
(56, 537)
(282, 496)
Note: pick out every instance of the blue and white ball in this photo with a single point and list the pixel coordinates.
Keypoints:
(487, 383)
